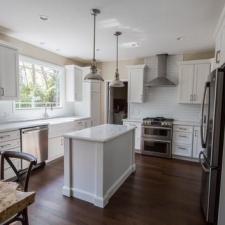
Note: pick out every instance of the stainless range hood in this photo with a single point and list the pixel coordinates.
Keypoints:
(161, 80)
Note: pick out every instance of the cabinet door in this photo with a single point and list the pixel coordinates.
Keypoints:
(95, 108)
(136, 85)
(197, 147)
(137, 134)
(202, 72)
(55, 147)
(221, 40)
(186, 79)
(9, 89)
(74, 83)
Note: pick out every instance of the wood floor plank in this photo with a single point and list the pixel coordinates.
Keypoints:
(161, 192)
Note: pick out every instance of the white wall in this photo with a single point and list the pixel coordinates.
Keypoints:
(162, 101)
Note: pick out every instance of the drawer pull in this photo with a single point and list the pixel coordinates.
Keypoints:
(4, 136)
(3, 146)
(182, 136)
(182, 148)
(181, 128)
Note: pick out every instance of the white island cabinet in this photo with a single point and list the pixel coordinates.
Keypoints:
(97, 161)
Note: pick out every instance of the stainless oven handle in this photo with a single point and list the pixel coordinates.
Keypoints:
(157, 140)
(161, 128)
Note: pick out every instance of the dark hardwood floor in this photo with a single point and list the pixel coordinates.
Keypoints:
(161, 192)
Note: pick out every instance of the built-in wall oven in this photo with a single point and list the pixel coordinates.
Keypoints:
(157, 137)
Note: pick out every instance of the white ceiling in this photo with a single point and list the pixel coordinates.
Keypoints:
(153, 24)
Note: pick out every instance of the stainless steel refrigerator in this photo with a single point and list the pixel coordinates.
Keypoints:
(212, 134)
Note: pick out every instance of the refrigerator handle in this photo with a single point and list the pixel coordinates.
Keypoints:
(207, 170)
(203, 142)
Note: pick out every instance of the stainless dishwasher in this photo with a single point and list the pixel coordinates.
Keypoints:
(35, 142)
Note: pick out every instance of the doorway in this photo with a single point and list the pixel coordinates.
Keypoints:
(116, 103)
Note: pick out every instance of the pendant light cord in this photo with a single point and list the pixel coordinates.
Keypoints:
(94, 37)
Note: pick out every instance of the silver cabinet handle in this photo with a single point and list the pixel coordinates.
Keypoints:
(180, 128)
(182, 136)
(182, 148)
(2, 91)
(3, 146)
(4, 136)
(218, 56)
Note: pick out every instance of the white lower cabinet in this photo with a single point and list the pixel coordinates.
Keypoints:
(56, 140)
(197, 147)
(56, 148)
(182, 141)
(137, 134)
(10, 141)
(186, 141)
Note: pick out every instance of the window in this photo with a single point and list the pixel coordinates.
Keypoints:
(39, 84)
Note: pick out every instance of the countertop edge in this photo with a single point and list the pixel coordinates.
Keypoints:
(70, 136)
(21, 124)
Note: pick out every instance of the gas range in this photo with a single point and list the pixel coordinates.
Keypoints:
(157, 137)
(157, 121)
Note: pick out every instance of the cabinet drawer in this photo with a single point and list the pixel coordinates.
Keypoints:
(182, 138)
(182, 150)
(9, 145)
(178, 128)
(11, 135)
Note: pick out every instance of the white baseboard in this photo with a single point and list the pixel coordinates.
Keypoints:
(111, 191)
(99, 201)
(66, 191)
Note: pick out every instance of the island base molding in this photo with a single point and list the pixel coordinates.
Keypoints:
(99, 201)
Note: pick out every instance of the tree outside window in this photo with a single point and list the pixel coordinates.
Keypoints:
(39, 86)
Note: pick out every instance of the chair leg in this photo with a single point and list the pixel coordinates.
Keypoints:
(25, 217)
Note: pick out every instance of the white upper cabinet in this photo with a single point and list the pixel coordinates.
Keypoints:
(9, 73)
(192, 78)
(74, 83)
(136, 79)
(220, 42)
(186, 78)
(202, 72)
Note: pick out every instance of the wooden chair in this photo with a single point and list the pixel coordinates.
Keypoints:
(22, 178)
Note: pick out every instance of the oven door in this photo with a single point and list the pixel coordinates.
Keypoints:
(154, 147)
(164, 133)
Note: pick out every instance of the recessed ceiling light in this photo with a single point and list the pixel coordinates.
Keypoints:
(130, 45)
(43, 17)
(180, 38)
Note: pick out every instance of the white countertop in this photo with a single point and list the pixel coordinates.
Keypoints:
(24, 124)
(175, 122)
(101, 133)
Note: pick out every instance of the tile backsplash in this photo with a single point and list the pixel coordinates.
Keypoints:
(162, 101)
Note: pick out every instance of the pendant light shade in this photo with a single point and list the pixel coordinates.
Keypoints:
(117, 82)
(93, 75)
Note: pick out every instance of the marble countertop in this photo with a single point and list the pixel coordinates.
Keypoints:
(102, 133)
(175, 122)
(31, 123)
(13, 201)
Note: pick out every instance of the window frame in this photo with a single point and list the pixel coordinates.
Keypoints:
(61, 82)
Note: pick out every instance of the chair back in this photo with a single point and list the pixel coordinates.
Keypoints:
(22, 175)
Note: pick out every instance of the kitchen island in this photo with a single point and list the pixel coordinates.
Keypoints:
(97, 161)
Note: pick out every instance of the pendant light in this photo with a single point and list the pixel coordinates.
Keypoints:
(117, 82)
(93, 75)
